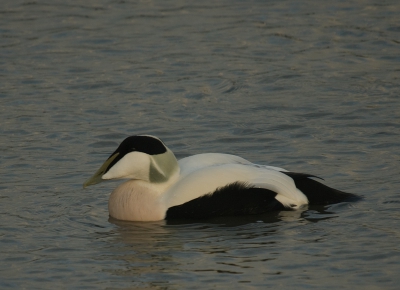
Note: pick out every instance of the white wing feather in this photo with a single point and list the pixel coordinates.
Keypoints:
(195, 162)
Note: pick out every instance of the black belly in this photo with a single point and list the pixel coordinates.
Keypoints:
(231, 200)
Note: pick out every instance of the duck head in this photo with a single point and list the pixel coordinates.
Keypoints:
(140, 157)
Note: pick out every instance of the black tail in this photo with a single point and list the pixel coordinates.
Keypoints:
(318, 193)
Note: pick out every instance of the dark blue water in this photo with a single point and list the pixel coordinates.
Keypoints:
(308, 86)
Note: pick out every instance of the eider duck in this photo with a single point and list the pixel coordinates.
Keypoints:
(201, 186)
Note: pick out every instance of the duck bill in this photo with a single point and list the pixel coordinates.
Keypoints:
(93, 180)
(97, 177)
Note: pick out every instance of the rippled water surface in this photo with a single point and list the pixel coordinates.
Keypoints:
(309, 86)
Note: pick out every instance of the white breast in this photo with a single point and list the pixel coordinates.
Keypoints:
(136, 200)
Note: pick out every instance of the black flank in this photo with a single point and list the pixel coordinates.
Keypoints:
(318, 193)
(233, 199)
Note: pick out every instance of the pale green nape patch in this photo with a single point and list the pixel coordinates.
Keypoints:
(162, 167)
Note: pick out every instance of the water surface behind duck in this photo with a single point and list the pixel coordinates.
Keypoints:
(306, 86)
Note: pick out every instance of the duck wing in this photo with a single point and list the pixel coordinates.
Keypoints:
(211, 180)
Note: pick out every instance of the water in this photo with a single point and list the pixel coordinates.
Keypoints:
(308, 86)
